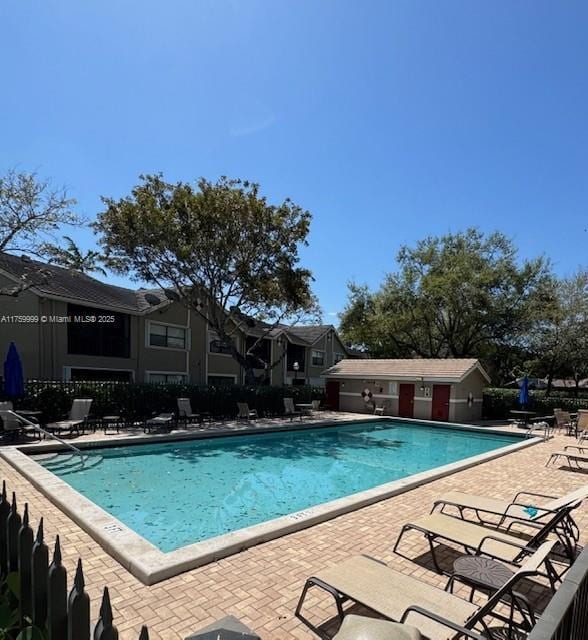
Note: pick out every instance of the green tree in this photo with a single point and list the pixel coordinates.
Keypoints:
(31, 210)
(462, 294)
(220, 247)
(72, 257)
(558, 342)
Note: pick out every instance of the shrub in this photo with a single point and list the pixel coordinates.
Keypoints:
(499, 402)
(140, 400)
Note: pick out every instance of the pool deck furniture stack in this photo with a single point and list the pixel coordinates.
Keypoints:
(510, 541)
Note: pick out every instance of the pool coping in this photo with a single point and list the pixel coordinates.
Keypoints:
(150, 565)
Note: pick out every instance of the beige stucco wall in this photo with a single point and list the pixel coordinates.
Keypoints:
(386, 391)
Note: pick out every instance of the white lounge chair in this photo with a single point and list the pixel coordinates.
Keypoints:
(78, 414)
(289, 410)
(185, 412)
(245, 413)
(163, 421)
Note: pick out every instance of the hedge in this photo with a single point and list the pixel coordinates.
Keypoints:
(499, 402)
(137, 400)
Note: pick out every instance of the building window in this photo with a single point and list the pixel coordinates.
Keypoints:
(221, 381)
(167, 378)
(337, 357)
(106, 375)
(216, 345)
(86, 336)
(295, 353)
(317, 358)
(166, 336)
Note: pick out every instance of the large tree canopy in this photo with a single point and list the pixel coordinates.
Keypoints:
(31, 211)
(221, 247)
(463, 294)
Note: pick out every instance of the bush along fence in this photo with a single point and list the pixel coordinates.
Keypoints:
(34, 601)
(499, 402)
(137, 400)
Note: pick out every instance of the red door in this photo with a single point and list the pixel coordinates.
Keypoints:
(333, 395)
(406, 401)
(440, 409)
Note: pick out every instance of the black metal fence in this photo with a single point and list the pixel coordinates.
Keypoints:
(139, 400)
(566, 615)
(35, 590)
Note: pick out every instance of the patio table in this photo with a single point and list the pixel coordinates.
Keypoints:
(111, 421)
(305, 407)
(524, 416)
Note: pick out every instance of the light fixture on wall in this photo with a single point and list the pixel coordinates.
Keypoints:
(422, 384)
(296, 366)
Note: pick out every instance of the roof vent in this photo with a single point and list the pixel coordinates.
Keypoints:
(152, 299)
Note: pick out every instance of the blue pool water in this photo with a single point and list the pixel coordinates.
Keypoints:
(175, 494)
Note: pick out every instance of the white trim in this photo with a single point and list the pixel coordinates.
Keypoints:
(187, 336)
(463, 400)
(166, 373)
(222, 375)
(388, 376)
(67, 371)
(357, 394)
(423, 398)
(323, 351)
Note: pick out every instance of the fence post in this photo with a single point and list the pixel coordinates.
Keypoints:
(39, 571)
(104, 629)
(78, 608)
(13, 525)
(4, 511)
(25, 548)
(144, 635)
(57, 597)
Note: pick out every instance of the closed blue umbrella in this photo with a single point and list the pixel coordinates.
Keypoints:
(13, 379)
(524, 393)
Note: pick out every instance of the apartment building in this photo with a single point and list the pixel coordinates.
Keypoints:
(71, 326)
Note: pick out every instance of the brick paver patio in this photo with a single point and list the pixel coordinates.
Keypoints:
(261, 585)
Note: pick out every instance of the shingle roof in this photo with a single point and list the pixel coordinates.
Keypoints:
(449, 369)
(309, 333)
(78, 287)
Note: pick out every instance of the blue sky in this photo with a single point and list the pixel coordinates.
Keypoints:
(388, 120)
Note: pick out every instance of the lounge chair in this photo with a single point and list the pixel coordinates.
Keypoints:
(245, 413)
(580, 457)
(402, 598)
(162, 421)
(289, 410)
(78, 414)
(356, 627)
(507, 545)
(185, 412)
(523, 506)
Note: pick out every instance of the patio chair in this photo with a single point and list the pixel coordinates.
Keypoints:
(245, 413)
(582, 425)
(185, 412)
(12, 427)
(316, 405)
(563, 420)
(437, 614)
(381, 409)
(76, 418)
(162, 421)
(523, 506)
(507, 544)
(289, 410)
(567, 453)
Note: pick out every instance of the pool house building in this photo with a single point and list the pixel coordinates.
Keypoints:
(422, 388)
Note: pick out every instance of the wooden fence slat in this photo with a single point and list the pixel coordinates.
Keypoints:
(13, 525)
(4, 512)
(78, 608)
(57, 597)
(25, 548)
(39, 571)
(104, 629)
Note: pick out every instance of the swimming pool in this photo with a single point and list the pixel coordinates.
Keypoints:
(178, 493)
